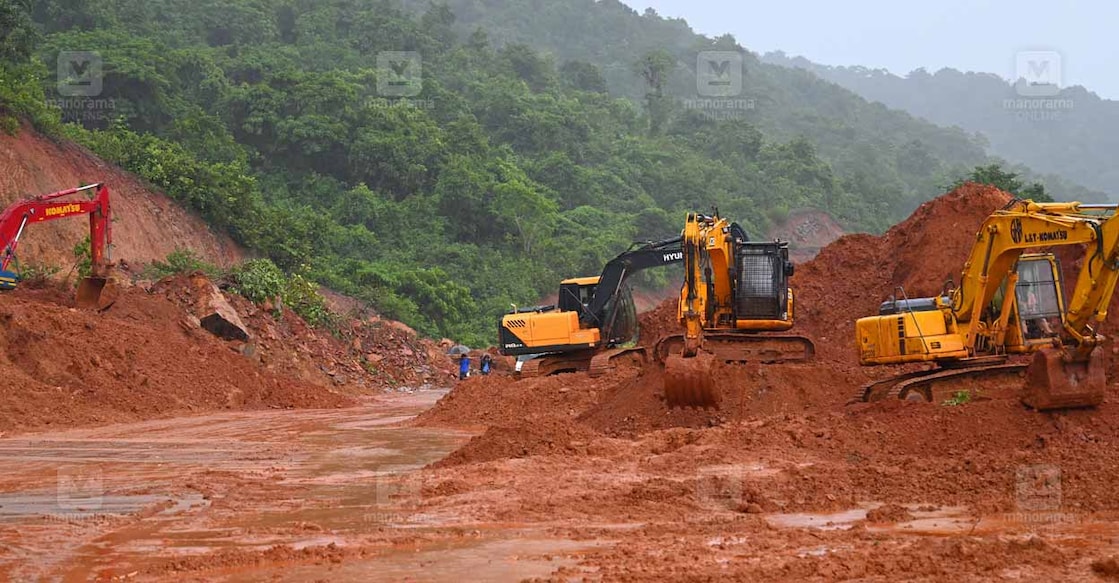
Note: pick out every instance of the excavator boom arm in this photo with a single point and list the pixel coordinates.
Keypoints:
(1007, 233)
(14, 219)
(620, 268)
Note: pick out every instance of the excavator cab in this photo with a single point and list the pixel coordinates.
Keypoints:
(1039, 300)
(576, 293)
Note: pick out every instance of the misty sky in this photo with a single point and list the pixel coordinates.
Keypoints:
(968, 35)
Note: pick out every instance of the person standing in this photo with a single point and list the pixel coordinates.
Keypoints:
(487, 362)
(463, 367)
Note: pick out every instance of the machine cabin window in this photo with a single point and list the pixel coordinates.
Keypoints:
(1039, 305)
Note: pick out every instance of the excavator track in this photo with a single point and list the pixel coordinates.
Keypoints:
(921, 385)
(606, 360)
(738, 348)
(550, 364)
(594, 364)
(689, 381)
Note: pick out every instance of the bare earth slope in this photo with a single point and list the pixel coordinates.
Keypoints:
(148, 225)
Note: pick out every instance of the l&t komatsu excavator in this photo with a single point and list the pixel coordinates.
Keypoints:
(734, 301)
(1009, 303)
(97, 290)
(594, 322)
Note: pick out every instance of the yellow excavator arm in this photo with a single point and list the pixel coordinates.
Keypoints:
(1008, 233)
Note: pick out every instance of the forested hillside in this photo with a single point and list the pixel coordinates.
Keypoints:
(884, 152)
(422, 159)
(1073, 134)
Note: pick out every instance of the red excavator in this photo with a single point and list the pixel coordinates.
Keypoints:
(97, 290)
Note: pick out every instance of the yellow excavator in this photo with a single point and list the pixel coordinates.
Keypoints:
(1009, 304)
(594, 322)
(734, 302)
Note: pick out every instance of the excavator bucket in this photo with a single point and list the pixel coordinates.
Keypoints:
(1053, 381)
(690, 381)
(97, 293)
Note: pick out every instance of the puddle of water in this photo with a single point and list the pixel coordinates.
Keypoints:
(51, 505)
(944, 520)
(833, 521)
(479, 561)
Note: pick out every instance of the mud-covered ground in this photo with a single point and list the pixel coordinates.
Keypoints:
(881, 493)
(559, 478)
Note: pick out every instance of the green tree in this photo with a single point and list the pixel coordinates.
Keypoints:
(655, 67)
(994, 175)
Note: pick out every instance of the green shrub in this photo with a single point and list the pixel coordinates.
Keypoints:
(181, 261)
(83, 257)
(958, 398)
(303, 297)
(36, 274)
(258, 280)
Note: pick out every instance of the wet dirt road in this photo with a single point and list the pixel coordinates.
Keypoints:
(282, 495)
(346, 495)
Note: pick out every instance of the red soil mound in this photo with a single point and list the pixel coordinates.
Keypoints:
(62, 366)
(365, 352)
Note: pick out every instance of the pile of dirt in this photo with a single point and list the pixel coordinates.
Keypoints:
(888, 513)
(540, 435)
(501, 399)
(658, 322)
(137, 360)
(852, 276)
(363, 353)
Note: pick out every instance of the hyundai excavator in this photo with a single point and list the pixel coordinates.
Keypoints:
(1009, 316)
(594, 322)
(97, 290)
(735, 304)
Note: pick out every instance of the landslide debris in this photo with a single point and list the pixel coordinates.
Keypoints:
(151, 355)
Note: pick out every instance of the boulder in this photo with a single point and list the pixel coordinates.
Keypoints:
(215, 314)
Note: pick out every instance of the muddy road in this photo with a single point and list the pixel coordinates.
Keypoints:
(285, 495)
(360, 494)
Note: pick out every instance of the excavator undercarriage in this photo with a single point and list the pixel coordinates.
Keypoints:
(593, 362)
(689, 381)
(1049, 381)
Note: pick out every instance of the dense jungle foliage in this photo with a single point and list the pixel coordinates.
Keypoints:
(443, 161)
